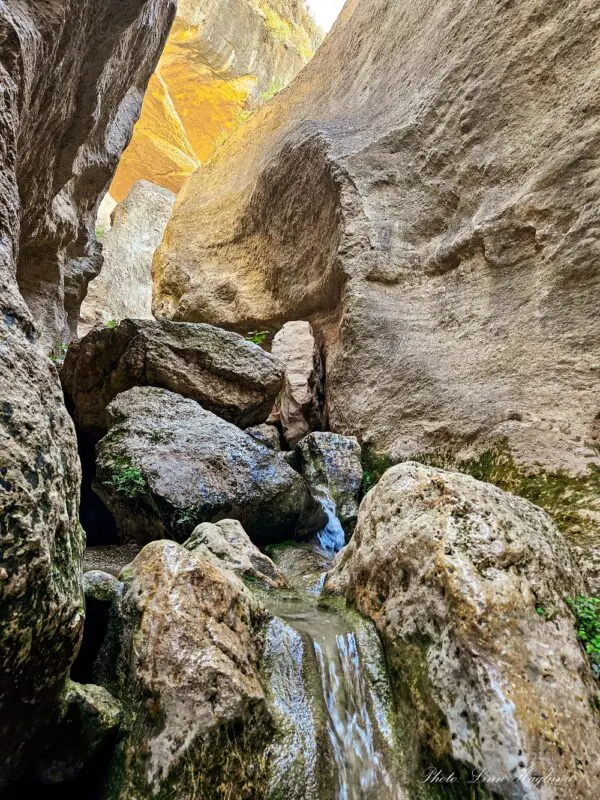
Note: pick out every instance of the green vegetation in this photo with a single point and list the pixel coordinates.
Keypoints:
(186, 518)
(112, 323)
(277, 85)
(58, 353)
(562, 496)
(127, 480)
(257, 337)
(587, 615)
(540, 611)
(100, 231)
(374, 465)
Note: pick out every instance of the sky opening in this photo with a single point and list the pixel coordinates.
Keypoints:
(325, 12)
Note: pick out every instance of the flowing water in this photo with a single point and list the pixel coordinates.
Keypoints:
(328, 683)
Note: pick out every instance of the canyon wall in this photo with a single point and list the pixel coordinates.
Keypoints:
(73, 74)
(425, 193)
(222, 60)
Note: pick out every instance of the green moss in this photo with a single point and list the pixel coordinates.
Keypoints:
(374, 465)
(127, 479)
(562, 496)
(587, 615)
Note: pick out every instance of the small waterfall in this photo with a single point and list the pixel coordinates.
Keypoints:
(328, 681)
(332, 537)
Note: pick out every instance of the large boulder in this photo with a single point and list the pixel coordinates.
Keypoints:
(167, 465)
(233, 378)
(124, 287)
(423, 195)
(467, 584)
(73, 75)
(222, 60)
(187, 675)
(299, 406)
(331, 465)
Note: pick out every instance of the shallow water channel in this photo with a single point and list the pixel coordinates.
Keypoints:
(327, 677)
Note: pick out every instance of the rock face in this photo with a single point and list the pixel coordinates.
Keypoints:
(187, 675)
(422, 194)
(92, 716)
(331, 465)
(124, 287)
(467, 585)
(226, 374)
(72, 76)
(298, 409)
(229, 546)
(167, 465)
(222, 60)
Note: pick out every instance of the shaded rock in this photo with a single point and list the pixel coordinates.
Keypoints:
(124, 287)
(298, 408)
(167, 464)
(331, 465)
(92, 716)
(422, 194)
(267, 435)
(187, 675)
(229, 546)
(467, 584)
(109, 559)
(72, 77)
(102, 586)
(222, 60)
(231, 377)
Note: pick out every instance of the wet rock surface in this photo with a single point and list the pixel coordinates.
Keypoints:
(229, 546)
(197, 717)
(124, 287)
(467, 584)
(331, 465)
(421, 194)
(167, 464)
(226, 374)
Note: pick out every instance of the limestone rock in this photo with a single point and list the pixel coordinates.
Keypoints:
(467, 584)
(187, 674)
(229, 546)
(331, 465)
(124, 287)
(226, 374)
(72, 77)
(265, 434)
(101, 586)
(298, 408)
(92, 715)
(222, 59)
(167, 465)
(422, 194)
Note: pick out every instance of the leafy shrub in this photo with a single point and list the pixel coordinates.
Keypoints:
(58, 353)
(112, 323)
(587, 614)
(374, 465)
(257, 337)
(127, 480)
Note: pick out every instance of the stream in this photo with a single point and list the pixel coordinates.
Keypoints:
(327, 678)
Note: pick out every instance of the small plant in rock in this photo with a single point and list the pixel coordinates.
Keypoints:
(112, 323)
(127, 480)
(374, 465)
(257, 337)
(100, 231)
(186, 518)
(58, 353)
(587, 615)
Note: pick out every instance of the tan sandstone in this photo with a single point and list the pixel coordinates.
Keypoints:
(424, 193)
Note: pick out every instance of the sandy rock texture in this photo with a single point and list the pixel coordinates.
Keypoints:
(124, 287)
(222, 60)
(72, 77)
(187, 674)
(467, 584)
(299, 407)
(221, 370)
(167, 465)
(230, 547)
(423, 193)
